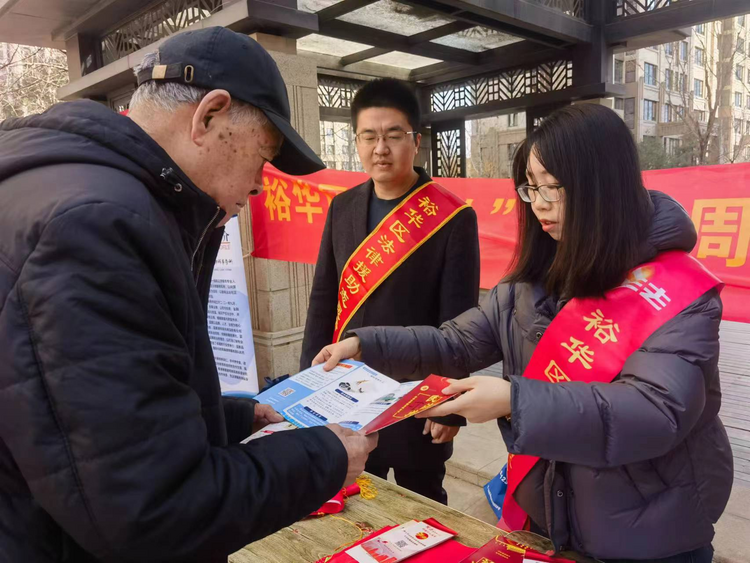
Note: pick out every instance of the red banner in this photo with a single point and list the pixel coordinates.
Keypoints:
(288, 219)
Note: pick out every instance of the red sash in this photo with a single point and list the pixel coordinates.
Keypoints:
(404, 230)
(590, 339)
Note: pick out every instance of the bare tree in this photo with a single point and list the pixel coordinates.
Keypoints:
(720, 51)
(29, 79)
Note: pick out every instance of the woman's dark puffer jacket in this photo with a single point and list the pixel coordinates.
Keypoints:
(638, 468)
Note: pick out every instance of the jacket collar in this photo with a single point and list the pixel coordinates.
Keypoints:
(88, 132)
(362, 202)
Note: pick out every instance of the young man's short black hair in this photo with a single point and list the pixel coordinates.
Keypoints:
(387, 93)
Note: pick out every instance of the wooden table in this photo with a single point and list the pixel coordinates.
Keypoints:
(313, 538)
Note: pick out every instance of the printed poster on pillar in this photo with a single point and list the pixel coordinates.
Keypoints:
(229, 324)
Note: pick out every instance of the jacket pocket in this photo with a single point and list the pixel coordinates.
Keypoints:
(644, 478)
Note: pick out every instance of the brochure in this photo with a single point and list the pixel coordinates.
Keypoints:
(399, 543)
(352, 395)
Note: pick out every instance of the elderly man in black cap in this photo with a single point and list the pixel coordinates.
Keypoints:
(115, 443)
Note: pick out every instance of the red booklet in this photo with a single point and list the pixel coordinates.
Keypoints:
(502, 550)
(449, 551)
(425, 395)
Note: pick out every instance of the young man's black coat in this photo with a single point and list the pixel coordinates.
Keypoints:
(436, 283)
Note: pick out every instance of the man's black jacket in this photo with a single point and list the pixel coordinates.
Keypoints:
(113, 443)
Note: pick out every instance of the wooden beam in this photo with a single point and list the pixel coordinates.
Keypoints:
(493, 60)
(363, 55)
(517, 17)
(429, 35)
(588, 91)
(267, 15)
(329, 64)
(439, 69)
(6, 5)
(680, 14)
(342, 8)
(394, 42)
(335, 114)
(271, 16)
(101, 18)
(441, 31)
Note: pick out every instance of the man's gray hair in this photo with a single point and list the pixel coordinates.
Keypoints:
(169, 96)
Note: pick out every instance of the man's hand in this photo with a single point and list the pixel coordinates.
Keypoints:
(265, 415)
(358, 448)
(333, 353)
(441, 433)
(484, 398)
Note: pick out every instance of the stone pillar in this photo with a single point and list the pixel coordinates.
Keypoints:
(279, 291)
(73, 52)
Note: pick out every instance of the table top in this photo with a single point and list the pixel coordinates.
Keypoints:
(313, 538)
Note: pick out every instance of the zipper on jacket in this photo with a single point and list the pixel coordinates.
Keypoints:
(203, 236)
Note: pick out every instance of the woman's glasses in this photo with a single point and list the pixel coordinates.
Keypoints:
(549, 192)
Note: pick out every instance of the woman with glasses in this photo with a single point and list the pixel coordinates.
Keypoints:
(609, 337)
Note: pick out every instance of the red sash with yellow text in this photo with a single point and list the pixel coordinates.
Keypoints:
(590, 339)
(403, 231)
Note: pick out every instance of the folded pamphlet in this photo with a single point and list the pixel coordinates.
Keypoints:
(352, 395)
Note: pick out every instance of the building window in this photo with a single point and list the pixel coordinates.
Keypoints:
(698, 88)
(738, 99)
(741, 20)
(668, 80)
(683, 51)
(747, 128)
(630, 112)
(513, 120)
(671, 145)
(620, 103)
(739, 72)
(511, 151)
(701, 28)
(619, 71)
(669, 49)
(702, 116)
(700, 56)
(649, 110)
(740, 45)
(747, 101)
(650, 72)
(683, 83)
(666, 113)
(630, 71)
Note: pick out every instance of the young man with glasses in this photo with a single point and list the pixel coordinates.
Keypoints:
(397, 250)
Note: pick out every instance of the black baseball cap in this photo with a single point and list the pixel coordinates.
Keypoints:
(218, 58)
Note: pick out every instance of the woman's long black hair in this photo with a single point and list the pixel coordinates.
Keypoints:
(607, 211)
